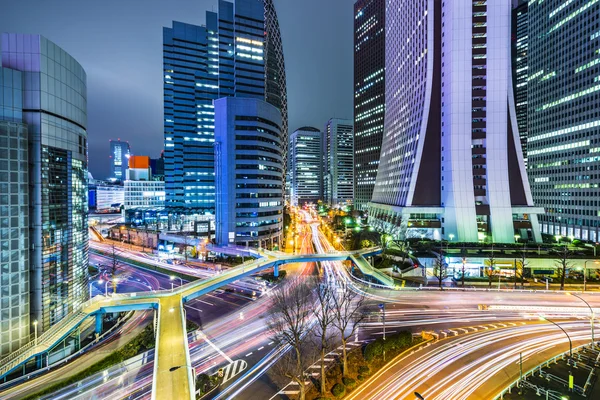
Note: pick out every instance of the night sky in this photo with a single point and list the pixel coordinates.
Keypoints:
(119, 44)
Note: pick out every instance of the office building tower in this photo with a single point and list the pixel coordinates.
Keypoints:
(225, 58)
(275, 78)
(157, 165)
(563, 93)
(520, 70)
(119, 154)
(249, 173)
(306, 153)
(53, 89)
(451, 165)
(338, 169)
(14, 215)
(109, 197)
(141, 190)
(369, 95)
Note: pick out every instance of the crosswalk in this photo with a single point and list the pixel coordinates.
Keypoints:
(232, 369)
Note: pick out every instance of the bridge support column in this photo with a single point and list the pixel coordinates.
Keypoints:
(99, 322)
(39, 361)
(276, 270)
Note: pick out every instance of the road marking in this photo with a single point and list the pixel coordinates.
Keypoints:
(260, 348)
(249, 354)
(233, 369)
(206, 302)
(202, 335)
(270, 343)
(194, 308)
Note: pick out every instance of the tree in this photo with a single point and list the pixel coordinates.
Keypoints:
(491, 269)
(113, 268)
(366, 243)
(348, 314)
(289, 324)
(563, 264)
(324, 315)
(440, 268)
(464, 263)
(187, 241)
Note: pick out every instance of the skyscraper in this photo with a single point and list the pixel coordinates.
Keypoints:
(520, 70)
(119, 154)
(237, 54)
(563, 142)
(249, 173)
(369, 95)
(306, 154)
(451, 164)
(53, 90)
(338, 171)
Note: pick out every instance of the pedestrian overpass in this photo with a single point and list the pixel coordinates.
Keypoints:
(173, 376)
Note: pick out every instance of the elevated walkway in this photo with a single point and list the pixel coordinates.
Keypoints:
(173, 376)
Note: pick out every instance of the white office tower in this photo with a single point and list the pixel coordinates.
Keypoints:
(451, 161)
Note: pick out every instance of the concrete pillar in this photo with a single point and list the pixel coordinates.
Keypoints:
(99, 321)
(39, 361)
(276, 270)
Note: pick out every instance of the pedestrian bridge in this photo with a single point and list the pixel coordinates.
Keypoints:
(173, 377)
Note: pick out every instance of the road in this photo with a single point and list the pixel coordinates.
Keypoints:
(474, 366)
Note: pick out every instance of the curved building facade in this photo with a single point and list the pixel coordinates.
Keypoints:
(249, 172)
(54, 109)
(451, 165)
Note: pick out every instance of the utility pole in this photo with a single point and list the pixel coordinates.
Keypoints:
(382, 308)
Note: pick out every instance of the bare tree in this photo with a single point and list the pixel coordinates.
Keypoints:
(440, 269)
(563, 264)
(348, 314)
(464, 263)
(113, 268)
(289, 324)
(325, 316)
(491, 269)
(187, 241)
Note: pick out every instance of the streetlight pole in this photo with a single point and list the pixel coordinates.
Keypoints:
(570, 343)
(591, 314)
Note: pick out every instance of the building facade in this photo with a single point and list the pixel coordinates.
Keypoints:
(563, 142)
(451, 164)
(249, 173)
(141, 190)
(225, 58)
(54, 108)
(338, 182)
(306, 156)
(119, 154)
(109, 198)
(520, 70)
(14, 215)
(369, 95)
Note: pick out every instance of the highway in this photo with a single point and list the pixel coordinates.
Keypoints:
(474, 366)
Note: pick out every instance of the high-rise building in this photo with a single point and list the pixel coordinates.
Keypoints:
(451, 164)
(338, 170)
(52, 86)
(157, 165)
(369, 95)
(119, 154)
(225, 58)
(306, 155)
(275, 78)
(563, 142)
(520, 70)
(249, 173)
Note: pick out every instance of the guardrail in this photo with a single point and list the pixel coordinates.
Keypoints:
(538, 368)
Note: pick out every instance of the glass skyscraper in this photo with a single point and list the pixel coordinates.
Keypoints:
(54, 109)
(119, 154)
(520, 70)
(563, 142)
(338, 168)
(306, 156)
(369, 95)
(224, 58)
(451, 164)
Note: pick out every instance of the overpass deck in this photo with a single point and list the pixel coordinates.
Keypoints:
(173, 375)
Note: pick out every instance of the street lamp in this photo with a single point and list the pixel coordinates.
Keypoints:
(542, 318)
(585, 273)
(35, 324)
(591, 314)
(172, 278)
(517, 237)
(451, 236)
(557, 237)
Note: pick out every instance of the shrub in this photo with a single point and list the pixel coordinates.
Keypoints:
(373, 350)
(349, 383)
(360, 378)
(364, 370)
(338, 390)
(398, 341)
